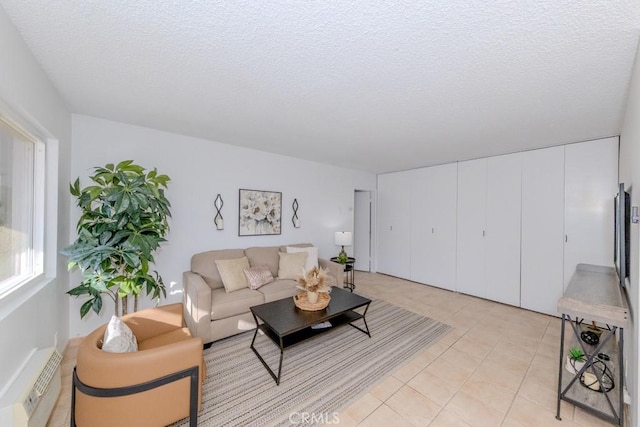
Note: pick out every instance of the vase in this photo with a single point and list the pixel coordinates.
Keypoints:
(573, 365)
(312, 297)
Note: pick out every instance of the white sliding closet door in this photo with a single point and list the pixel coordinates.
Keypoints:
(471, 246)
(591, 183)
(542, 249)
(503, 228)
(394, 224)
(433, 226)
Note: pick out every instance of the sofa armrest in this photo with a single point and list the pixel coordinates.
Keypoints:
(336, 270)
(197, 305)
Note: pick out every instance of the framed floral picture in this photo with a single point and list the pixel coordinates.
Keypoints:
(260, 213)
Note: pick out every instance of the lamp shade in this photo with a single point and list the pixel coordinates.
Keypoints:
(343, 238)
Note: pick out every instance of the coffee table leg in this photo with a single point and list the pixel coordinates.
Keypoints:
(280, 364)
(364, 319)
(264, 363)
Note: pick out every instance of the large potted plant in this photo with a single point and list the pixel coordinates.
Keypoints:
(124, 219)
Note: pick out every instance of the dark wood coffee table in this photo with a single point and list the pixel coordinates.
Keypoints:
(286, 325)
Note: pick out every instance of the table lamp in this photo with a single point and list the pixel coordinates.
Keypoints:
(342, 238)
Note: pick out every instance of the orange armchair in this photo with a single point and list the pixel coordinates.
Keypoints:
(159, 384)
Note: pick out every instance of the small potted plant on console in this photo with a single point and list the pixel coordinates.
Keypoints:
(575, 360)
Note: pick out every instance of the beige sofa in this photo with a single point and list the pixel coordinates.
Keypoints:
(212, 313)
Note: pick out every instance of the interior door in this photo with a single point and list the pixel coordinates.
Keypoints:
(362, 231)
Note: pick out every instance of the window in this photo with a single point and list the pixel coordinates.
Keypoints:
(21, 205)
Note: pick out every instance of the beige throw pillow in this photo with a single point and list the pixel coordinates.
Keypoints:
(118, 337)
(312, 255)
(232, 273)
(258, 276)
(291, 265)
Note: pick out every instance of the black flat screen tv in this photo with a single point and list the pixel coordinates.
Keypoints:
(622, 236)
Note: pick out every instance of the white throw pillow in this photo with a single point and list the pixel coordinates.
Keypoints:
(291, 266)
(232, 273)
(312, 255)
(118, 337)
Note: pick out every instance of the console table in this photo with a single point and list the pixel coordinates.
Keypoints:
(594, 295)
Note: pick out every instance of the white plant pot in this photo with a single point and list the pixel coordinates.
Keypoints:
(573, 366)
(312, 297)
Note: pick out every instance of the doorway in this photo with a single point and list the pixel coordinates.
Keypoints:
(362, 239)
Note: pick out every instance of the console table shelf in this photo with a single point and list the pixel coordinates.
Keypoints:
(594, 295)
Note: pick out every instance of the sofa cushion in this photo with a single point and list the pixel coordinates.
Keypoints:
(279, 289)
(165, 339)
(312, 256)
(267, 255)
(295, 245)
(225, 304)
(232, 273)
(204, 264)
(258, 276)
(291, 265)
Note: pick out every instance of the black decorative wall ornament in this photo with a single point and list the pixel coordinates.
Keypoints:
(218, 218)
(295, 219)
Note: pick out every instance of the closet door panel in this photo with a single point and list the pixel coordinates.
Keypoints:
(442, 191)
(471, 219)
(503, 228)
(433, 225)
(421, 223)
(591, 180)
(542, 257)
(394, 225)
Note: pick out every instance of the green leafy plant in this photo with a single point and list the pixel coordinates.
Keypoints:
(343, 258)
(124, 219)
(576, 353)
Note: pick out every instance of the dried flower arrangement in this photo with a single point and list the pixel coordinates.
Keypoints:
(313, 280)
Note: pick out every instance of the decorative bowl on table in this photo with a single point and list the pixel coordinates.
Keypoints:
(301, 301)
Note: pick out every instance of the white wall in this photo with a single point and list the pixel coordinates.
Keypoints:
(200, 169)
(32, 315)
(630, 175)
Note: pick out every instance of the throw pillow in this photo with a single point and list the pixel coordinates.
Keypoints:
(232, 273)
(291, 266)
(258, 276)
(118, 337)
(312, 255)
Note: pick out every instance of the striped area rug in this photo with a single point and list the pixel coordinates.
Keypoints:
(320, 376)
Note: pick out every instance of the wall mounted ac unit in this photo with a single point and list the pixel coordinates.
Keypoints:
(35, 390)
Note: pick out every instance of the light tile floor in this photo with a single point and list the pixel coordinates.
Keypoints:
(498, 367)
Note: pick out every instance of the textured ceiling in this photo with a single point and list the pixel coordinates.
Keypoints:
(370, 84)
